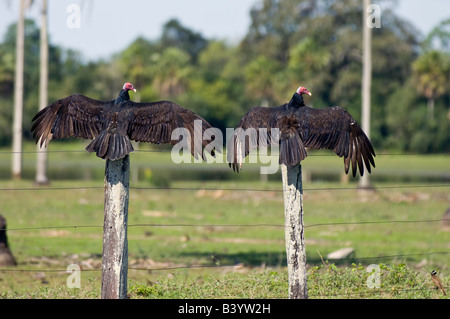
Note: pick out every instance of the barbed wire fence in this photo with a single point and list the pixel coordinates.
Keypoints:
(372, 259)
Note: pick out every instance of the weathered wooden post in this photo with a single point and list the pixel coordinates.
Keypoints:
(115, 244)
(294, 231)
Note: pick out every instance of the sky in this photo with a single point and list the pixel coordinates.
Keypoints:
(106, 27)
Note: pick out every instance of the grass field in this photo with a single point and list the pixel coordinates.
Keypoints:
(223, 237)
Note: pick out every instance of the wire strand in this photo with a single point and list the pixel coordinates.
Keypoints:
(43, 188)
(232, 225)
(194, 266)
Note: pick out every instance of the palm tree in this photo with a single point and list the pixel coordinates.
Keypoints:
(366, 83)
(41, 163)
(18, 94)
(171, 72)
(431, 71)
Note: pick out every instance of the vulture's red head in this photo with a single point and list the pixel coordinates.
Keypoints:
(128, 86)
(302, 90)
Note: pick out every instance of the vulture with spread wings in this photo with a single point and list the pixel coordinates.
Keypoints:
(296, 127)
(113, 124)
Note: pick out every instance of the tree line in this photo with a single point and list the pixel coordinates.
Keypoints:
(317, 44)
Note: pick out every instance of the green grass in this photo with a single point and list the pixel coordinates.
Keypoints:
(233, 227)
(324, 282)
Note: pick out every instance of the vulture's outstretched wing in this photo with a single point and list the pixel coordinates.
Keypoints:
(75, 115)
(328, 128)
(248, 136)
(156, 123)
(334, 128)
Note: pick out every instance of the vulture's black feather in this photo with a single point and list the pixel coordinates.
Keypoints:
(113, 124)
(302, 127)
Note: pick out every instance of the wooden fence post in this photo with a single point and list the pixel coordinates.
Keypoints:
(294, 231)
(115, 244)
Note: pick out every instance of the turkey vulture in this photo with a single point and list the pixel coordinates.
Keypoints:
(112, 124)
(301, 127)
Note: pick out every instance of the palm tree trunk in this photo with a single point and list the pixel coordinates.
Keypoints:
(366, 83)
(41, 163)
(18, 96)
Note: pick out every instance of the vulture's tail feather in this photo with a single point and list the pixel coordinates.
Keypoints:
(292, 151)
(112, 146)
